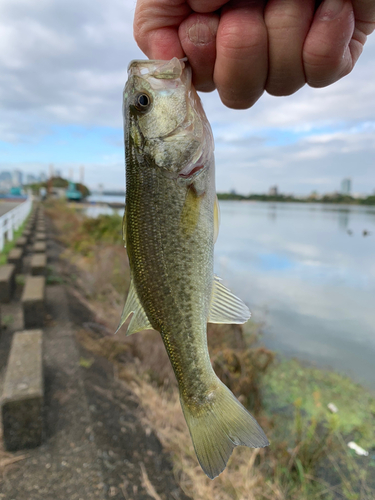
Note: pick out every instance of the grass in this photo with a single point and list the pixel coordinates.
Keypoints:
(308, 457)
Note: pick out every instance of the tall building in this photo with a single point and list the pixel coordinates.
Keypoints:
(273, 191)
(346, 186)
(17, 177)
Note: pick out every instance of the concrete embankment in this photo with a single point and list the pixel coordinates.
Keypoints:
(77, 429)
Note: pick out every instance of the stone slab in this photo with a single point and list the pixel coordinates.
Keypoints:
(21, 242)
(40, 236)
(38, 264)
(27, 234)
(15, 257)
(40, 247)
(22, 399)
(33, 301)
(7, 282)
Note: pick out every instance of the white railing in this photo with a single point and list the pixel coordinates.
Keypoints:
(11, 221)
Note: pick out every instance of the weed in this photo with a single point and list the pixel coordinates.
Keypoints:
(7, 319)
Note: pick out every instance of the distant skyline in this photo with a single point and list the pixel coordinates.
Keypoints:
(60, 96)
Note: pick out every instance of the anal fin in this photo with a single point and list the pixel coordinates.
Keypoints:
(133, 305)
(225, 306)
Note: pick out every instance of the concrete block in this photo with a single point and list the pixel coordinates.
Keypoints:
(39, 264)
(7, 282)
(40, 247)
(22, 399)
(27, 234)
(33, 301)
(40, 236)
(15, 257)
(21, 242)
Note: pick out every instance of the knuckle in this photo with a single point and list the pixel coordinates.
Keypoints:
(240, 38)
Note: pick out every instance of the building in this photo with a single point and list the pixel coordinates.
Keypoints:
(346, 186)
(5, 181)
(273, 191)
(17, 177)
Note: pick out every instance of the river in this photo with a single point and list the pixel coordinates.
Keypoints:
(307, 273)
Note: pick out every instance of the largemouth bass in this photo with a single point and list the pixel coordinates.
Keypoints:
(170, 225)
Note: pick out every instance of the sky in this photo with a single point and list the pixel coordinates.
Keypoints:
(62, 71)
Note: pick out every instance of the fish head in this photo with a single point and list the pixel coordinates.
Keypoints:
(165, 120)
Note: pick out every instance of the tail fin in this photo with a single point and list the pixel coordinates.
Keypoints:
(218, 427)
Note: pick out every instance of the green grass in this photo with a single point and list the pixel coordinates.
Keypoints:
(318, 463)
(288, 382)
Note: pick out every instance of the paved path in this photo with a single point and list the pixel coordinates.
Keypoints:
(5, 206)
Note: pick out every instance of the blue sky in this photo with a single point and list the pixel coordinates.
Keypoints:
(62, 70)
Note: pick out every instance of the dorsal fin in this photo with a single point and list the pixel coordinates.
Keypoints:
(225, 306)
(139, 320)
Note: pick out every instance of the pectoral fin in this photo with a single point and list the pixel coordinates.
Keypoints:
(139, 320)
(124, 228)
(225, 306)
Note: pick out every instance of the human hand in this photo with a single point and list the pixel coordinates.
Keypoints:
(245, 47)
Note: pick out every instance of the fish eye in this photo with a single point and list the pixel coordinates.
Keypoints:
(142, 102)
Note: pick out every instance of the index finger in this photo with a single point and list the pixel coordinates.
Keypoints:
(156, 27)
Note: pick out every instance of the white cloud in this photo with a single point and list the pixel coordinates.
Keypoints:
(64, 63)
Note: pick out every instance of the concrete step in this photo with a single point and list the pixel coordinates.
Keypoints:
(38, 264)
(23, 392)
(7, 282)
(15, 257)
(33, 301)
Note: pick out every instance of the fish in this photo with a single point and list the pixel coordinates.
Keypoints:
(170, 226)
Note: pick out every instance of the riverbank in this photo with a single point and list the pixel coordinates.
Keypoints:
(334, 198)
(308, 456)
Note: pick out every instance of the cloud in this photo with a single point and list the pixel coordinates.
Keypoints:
(63, 64)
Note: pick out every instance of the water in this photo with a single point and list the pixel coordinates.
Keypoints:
(96, 210)
(306, 278)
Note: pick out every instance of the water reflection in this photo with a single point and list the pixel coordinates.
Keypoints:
(316, 282)
(344, 219)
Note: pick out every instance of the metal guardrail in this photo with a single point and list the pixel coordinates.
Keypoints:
(11, 221)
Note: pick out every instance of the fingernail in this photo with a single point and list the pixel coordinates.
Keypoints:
(330, 9)
(201, 33)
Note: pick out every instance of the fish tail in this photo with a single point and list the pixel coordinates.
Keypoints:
(218, 426)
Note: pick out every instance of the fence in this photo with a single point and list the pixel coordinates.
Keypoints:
(11, 221)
